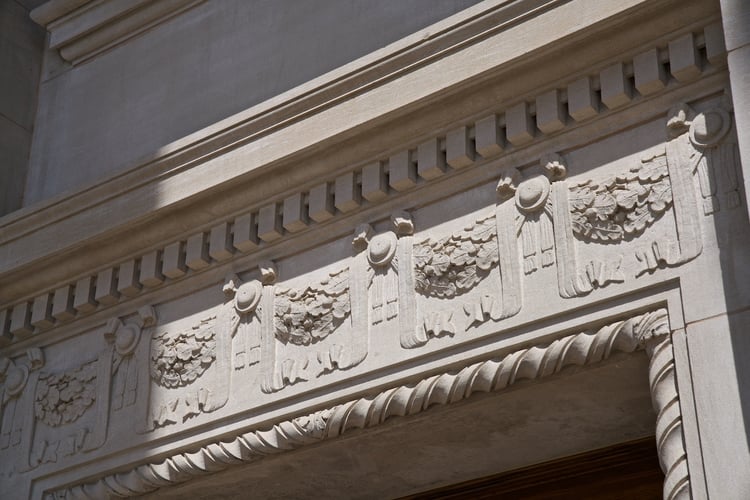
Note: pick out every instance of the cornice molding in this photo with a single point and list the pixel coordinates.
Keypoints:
(81, 29)
(490, 137)
(535, 363)
(161, 196)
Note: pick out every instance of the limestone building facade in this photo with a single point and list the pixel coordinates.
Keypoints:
(357, 249)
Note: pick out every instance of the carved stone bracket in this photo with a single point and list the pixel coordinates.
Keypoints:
(650, 330)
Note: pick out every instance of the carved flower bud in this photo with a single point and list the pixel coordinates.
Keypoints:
(36, 358)
(678, 119)
(361, 237)
(268, 272)
(506, 186)
(554, 165)
(230, 285)
(403, 223)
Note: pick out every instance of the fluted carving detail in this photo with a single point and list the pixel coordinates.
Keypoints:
(487, 376)
(663, 383)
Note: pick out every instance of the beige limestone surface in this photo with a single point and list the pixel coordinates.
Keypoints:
(532, 227)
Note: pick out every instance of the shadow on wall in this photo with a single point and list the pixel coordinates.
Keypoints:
(21, 47)
(117, 110)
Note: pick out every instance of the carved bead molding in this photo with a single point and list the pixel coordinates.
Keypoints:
(649, 330)
(81, 29)
(499, 133)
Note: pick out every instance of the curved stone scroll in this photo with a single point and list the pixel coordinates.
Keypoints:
(535, 363)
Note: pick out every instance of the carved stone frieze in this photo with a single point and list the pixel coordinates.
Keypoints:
(493, 375)
(60, 412)
(621, 207)
(454, 264)
(62, 398)
(180, 358)
(305, 316)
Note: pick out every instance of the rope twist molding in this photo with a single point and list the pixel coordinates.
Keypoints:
(649, 330)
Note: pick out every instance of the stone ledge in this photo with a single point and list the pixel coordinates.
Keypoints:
(466, 144)
(247, 148)
(81, 29)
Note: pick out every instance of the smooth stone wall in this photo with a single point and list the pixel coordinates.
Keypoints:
(204, 65)
(21, 48)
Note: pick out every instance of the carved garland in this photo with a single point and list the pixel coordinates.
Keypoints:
(650, 330)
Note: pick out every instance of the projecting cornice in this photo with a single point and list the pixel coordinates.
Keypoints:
(349, 143)
(81, 29)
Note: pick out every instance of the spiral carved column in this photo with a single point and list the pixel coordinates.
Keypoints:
(670, 441)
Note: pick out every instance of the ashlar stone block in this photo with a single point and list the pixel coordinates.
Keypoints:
(518, 126)
(269, 223)
(616, 89)
(62, 304)
(20, 321)
(488, 140)
(245, 233)
(84, 301)
(295, 213)
(106, 287)
(684, 62)
(173, 260)
(151, 273)
(550, 115)
(716, 51)
(196, 252)
(346, 193)
(650, 75)
(5, 336)
(41, 312)
(374, 182)
(430, 160)
(320, 203)
(128, 282)
(459, 148)
(583, 102)
(220, 242)
(402, 173)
